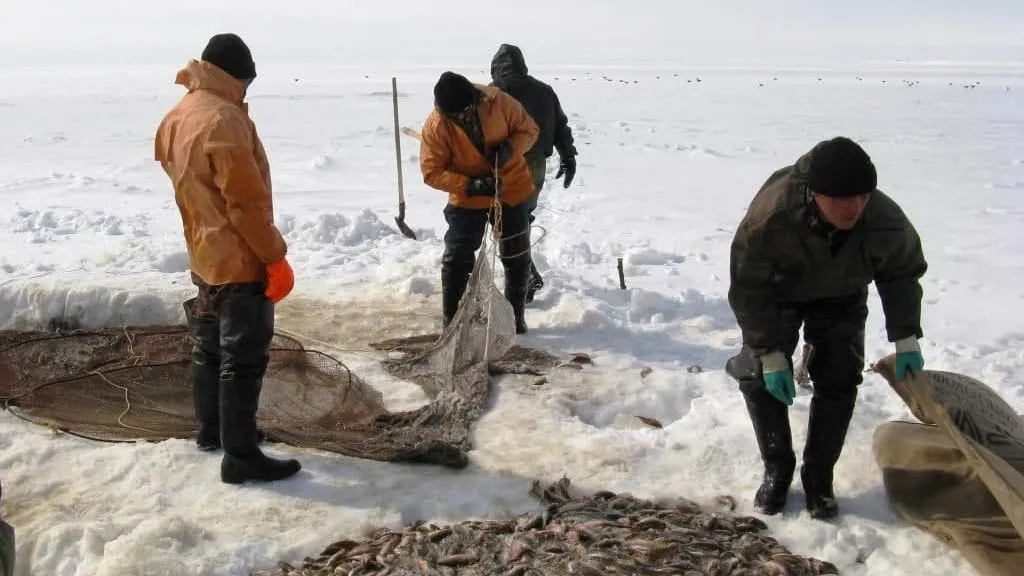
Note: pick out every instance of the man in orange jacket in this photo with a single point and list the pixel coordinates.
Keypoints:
(472, 131)
(209, 148)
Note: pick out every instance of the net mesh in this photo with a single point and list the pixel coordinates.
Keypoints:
(127, 384)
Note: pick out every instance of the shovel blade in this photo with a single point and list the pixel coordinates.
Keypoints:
(400, 221)
(404, 228)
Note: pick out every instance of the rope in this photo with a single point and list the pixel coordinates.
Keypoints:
(496, 229)
(552, 210)
(137, 360)
(128, 403)
(544, 233)
(365, 352)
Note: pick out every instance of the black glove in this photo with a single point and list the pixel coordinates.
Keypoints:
(503, 151)
(480, 186)
(567, 166)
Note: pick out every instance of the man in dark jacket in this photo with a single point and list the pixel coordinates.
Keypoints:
(815, 236)
(509, 73)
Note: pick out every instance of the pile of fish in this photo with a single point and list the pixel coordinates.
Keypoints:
(602, 534)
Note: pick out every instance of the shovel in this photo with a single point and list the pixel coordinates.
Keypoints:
(400, 219)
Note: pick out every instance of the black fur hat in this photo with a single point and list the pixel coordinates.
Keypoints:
(840, 168)
(229, 53)
(453, 92)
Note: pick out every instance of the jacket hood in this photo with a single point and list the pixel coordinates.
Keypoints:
(508, 62)
(200, 75)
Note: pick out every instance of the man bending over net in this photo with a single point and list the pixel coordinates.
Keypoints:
(472, 130)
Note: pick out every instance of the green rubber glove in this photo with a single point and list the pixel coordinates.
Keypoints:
(778, 377)
(908, 357)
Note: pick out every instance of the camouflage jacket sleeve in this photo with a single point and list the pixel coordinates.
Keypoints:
(751, 291)
(899, 264)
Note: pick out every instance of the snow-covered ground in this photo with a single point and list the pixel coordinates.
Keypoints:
(669, 158)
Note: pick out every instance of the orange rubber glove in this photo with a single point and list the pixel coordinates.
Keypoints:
(280, 280)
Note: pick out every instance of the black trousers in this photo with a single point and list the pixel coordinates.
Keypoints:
(835, 328)
(466, 228)
(232, 326)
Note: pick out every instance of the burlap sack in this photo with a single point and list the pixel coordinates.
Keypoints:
(975, 409)
(959, 475)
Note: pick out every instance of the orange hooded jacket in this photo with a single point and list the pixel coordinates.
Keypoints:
(448, 158)
(209, 148)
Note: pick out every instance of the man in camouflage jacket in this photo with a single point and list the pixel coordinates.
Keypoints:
(815, 236)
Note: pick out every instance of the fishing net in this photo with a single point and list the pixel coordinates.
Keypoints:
(133, 383)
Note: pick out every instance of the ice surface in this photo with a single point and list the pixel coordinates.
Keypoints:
(670, 155)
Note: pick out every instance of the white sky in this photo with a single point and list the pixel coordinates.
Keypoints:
(549, 31)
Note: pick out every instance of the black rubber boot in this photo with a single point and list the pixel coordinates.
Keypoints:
(515, 293)
(454, 279)
(243, 460)
(826, 434)
(518, 301)
(775, 443)
(205, 371)
(535, 283)
(771, 429)
(247, 327)
(208, 440)
(517, 260)
(461, 241)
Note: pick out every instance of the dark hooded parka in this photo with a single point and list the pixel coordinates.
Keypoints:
(510, 74)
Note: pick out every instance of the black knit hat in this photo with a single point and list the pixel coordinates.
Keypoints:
(453, 92)
(840, 168)
(229, 53)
